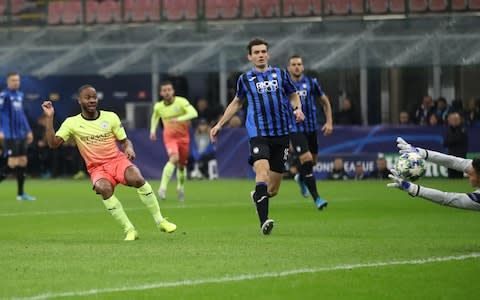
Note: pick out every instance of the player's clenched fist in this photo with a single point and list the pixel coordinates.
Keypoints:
(48, 108)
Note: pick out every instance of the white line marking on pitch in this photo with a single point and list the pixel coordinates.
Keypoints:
(242, 277)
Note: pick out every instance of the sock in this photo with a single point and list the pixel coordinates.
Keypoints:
(306, 174)
(116, 209)
(167, 174)
(20, 179)
(261, 201)
(181, 177)
(148, 198)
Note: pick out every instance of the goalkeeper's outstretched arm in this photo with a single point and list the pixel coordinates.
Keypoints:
(459, 200)
(449, 161)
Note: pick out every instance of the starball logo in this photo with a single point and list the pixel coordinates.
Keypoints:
(269, 86)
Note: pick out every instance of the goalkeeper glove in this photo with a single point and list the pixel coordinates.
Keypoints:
(404, 185)
(405, 147)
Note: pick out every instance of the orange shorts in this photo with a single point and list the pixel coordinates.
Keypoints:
(178, 146)
(113, 170)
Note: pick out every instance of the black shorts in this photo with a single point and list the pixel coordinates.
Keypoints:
(273, 149)
(15, 147)
(303, 142)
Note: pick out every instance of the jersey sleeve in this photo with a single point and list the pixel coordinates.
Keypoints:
(287, 83)
(458, 200)
(241, 93)
(316, 88)
(65, 130)
(190, 111)
(117, 128)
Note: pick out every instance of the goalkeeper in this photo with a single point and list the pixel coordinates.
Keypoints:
(469, 201)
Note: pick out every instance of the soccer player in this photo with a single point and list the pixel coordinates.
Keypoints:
(96, 132)
(469, 201)
(16, 133)
(303, 135)
(176, 113)
(269, 94)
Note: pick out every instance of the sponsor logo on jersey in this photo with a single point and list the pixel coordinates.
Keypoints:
(269, 86)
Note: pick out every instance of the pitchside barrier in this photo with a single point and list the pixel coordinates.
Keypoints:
(354, 144)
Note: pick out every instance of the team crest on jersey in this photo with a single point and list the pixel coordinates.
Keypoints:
(274, 75)
(304, 85)
(104, 125)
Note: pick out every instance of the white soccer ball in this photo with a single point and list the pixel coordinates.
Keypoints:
(410, 166)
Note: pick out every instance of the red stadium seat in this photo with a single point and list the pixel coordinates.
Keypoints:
(397, 6)
(218, 9)
(336, 7)
(418, 5)
(438, 5)
(356, 7)
(55, 10)
(72, 12)
(377, 6)
(262, 9)
(474, 4)
(108, 11)
(3, 6)
(459, 4)
(142, 10)
(17, 5)
(176, 10)
(301, 8)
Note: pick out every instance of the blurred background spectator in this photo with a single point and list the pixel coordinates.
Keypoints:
(456, 140)
(424, 111)
(359, 172)
(381, 170)
(347, 114)
(202, 151)
(338, 172)
(404, 118)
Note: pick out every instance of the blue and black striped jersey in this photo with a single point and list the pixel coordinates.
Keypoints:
(13, 121)
(309, 90)
(267, 101)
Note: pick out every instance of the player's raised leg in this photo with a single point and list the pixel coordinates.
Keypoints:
(134, 178)
(105, 188)
(169, 168)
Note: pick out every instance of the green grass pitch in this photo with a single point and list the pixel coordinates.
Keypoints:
(371, 243)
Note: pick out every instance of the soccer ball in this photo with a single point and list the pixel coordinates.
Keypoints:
(410, 166)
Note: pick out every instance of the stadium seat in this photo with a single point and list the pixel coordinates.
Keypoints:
(438, 5)
(108, 11)
(474, 4)
(72, 12)
(17, 5)
(301, 8)
(418, 5)
(55, 10)
(336, 7)
(142, 10)
(3, 6)
(176, 10)
(262, 9)
(397, 6)
(459, 5)
(377, 6)
(218, 9)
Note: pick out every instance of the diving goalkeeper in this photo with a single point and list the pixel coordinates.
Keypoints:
(469, 201)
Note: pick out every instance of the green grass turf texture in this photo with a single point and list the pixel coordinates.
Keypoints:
(67, 242)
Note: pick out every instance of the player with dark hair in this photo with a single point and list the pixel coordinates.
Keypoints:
(469, 201)
(16, 133)
(269, 94)
(96, 133)
(176, 113)
(303, 136)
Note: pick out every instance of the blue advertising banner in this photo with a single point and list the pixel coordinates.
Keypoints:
(352, 143)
